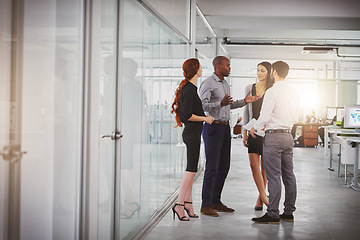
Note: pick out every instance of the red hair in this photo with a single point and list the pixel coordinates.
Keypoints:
(190, 68)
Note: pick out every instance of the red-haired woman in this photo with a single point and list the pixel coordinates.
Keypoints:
(188, 109)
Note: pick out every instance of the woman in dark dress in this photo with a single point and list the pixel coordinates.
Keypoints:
(188, 109)
(254, 145)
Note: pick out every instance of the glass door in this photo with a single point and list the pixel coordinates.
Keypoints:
(10, 120)
(141, 62)
(41, 99)
(109, 133)
(5, 76)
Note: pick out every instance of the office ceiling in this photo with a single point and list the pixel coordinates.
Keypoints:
(273, 29)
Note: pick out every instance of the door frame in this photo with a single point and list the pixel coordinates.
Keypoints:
(91, 117)
(90, 136)
(13, 189)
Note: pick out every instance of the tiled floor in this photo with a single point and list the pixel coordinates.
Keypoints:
(325, 209)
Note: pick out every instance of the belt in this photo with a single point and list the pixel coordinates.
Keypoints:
(219, 122)
(278, 131)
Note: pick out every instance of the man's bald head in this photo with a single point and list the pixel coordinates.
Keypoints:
(219, 60)
(221, 66)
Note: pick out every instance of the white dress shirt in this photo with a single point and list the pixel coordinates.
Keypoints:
(280, 109)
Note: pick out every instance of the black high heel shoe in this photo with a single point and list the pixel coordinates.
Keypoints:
(128, 216)
(182, 218)
(188, 212)
(259, 208)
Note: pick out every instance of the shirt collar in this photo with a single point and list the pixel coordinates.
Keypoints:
(217, 78)
(279, 82)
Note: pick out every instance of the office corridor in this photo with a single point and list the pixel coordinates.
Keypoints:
(325, 209)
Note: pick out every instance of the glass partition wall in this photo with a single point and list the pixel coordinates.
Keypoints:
(41, 49)
(108, 95)
(152, 156)
(146, 68)
(5, 113)
(43, 95)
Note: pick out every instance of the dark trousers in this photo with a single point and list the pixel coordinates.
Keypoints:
(217, 141)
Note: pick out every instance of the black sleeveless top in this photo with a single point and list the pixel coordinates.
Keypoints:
(256, 106)
(190, 103)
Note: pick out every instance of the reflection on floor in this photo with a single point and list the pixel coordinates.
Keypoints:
(325, 209)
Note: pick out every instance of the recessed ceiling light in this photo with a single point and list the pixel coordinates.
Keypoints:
(318, 50)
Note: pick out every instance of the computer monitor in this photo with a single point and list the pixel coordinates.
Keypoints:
(352, 117)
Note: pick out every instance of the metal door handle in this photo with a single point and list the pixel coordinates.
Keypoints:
(114, 135)
(12, 153)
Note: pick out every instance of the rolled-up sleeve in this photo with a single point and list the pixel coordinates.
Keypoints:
(266, 110)
(205, 96)
(186, 106)
(238, 104)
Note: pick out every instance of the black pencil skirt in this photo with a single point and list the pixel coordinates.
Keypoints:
(255, 145)
(192, 139)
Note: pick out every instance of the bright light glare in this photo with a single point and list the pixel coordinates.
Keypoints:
(308, 99)
(308, 96)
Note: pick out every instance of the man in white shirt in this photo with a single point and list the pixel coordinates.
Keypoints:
(279, 112)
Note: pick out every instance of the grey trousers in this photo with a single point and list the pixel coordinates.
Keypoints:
(278, 160)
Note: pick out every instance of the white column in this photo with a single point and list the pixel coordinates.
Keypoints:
(192, 27)
(337, 82)
(358, 93)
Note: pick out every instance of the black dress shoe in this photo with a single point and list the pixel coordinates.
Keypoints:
(266, 219)
(287, 218)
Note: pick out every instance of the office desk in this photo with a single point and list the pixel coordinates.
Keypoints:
(326, 136)
(354, 183)
(346, 155)
(310, 132)
(334, 132)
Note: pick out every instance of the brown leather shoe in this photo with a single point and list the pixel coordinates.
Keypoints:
(208, 211)
(220, 207)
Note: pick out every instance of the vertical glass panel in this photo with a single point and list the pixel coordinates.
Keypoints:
(51, 132)
(205, 40)
(152, 162)
(174, 11)
(108, 91)
(5, 76)
(133, 119)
